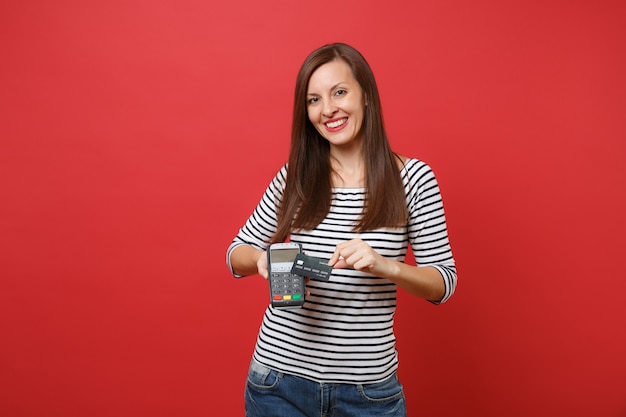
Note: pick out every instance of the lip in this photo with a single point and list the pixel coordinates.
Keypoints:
(337, 128)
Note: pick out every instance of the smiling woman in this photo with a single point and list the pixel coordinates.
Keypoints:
(346, 198)
(137, 135)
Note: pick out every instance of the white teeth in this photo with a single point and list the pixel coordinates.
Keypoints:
(336, 123)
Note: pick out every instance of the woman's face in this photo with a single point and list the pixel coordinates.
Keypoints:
(336, 103)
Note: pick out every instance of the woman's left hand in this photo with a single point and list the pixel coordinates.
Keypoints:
(359, 255)
(425, 282)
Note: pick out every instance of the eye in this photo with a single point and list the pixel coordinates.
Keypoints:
(312, 100)
(341, 92)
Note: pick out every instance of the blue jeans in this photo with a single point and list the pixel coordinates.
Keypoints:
(270, 393)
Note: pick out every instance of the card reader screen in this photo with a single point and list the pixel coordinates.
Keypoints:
(284, 255)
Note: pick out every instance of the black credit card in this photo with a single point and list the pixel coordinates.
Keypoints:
(309, 266)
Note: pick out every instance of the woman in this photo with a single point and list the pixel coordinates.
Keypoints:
(346, 197)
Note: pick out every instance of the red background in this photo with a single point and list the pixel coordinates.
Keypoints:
(137, 136)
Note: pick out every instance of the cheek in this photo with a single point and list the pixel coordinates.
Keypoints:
(311, 113)
(358, 113)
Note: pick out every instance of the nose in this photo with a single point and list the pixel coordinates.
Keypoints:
(329, 109)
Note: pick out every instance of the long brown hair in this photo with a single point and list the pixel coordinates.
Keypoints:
(307, 197)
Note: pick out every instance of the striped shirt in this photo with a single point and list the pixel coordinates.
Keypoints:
(344, 332)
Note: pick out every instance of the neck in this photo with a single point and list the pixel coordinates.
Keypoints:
(348, 170)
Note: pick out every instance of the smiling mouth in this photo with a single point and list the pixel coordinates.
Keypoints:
(336, 123)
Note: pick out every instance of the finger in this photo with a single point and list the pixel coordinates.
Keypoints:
(334, 258)
(341, 263)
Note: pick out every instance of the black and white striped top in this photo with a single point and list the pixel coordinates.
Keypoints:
(344, 332)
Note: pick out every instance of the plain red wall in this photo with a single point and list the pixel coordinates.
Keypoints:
(137, 136)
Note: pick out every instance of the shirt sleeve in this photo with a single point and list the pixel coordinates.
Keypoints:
(262, 223)
(428, 232)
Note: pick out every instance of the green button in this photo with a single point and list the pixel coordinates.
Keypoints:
(297, 296)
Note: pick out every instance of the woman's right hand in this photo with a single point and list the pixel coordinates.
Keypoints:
(261, 265)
